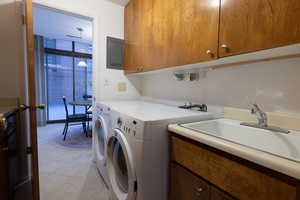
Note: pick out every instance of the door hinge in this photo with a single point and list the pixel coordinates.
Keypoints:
(29, 150)
(23, 20)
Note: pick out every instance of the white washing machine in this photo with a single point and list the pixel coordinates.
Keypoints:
(101, 132)
(138, 151)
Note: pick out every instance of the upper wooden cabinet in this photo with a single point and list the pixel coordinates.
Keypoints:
(251, 25)
(165, 33)
(182, 32)
(132, 47)
(170, 33)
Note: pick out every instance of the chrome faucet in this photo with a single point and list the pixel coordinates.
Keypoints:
(260, 115)
(189, 105)
(262, 121)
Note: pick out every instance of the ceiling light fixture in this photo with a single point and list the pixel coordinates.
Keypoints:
(81, 63)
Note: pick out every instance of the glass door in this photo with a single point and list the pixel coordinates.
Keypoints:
(60, 78)
(68, 73)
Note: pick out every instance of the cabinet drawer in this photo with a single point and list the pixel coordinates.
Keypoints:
(216, 194)
(185, 185)
(239, 180)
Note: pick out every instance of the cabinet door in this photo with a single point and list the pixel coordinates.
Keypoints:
(132, 50)
(251, 25)
(218, 195)
(183, 31)
(185, 185)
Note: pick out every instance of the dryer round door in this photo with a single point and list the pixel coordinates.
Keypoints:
(120, 166)
(101, 136)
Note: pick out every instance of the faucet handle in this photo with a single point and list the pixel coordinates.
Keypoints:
(204, 107)
(254, 108)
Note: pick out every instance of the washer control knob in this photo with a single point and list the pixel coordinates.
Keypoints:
(119, 122)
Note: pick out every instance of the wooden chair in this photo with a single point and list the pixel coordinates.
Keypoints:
(76, 119)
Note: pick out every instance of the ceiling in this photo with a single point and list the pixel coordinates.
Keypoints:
(46, 23)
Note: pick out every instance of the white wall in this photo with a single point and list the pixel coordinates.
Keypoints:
(108, 21)
(274, 85)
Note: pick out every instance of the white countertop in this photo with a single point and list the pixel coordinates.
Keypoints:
(151, 111)
(280, 164)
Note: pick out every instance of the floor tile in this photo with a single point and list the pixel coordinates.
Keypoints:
(67, 173)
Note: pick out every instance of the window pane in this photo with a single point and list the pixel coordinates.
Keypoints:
(59, 83)
(89, 77)
(58, 44)
(49, 43)
(64, 45)
(83, 48)
(80, 83)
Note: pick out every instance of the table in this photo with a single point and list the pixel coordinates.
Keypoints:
(86, 104)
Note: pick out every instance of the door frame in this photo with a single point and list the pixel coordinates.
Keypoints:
(28, 21)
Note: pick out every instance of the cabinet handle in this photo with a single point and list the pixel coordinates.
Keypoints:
(198, 191)
(140, 69)
(209, 52)
(225, 47)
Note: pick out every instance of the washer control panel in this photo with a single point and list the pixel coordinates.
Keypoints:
(131, 127)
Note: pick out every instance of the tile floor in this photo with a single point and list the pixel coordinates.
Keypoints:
(67, 173)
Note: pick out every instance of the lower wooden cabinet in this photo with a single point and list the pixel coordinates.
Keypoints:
(218, 195)
(187, 186)
(202, 172)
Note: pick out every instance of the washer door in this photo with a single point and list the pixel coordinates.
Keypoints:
(120, 166)
(101, 136)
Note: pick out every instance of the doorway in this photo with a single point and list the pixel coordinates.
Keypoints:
(64, 63)
(64, 66)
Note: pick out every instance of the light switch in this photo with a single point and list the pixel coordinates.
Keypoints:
(122, 86)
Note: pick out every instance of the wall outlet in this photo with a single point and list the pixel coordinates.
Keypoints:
(122, 86)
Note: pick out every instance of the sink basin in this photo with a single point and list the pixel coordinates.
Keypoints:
(279, 144)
